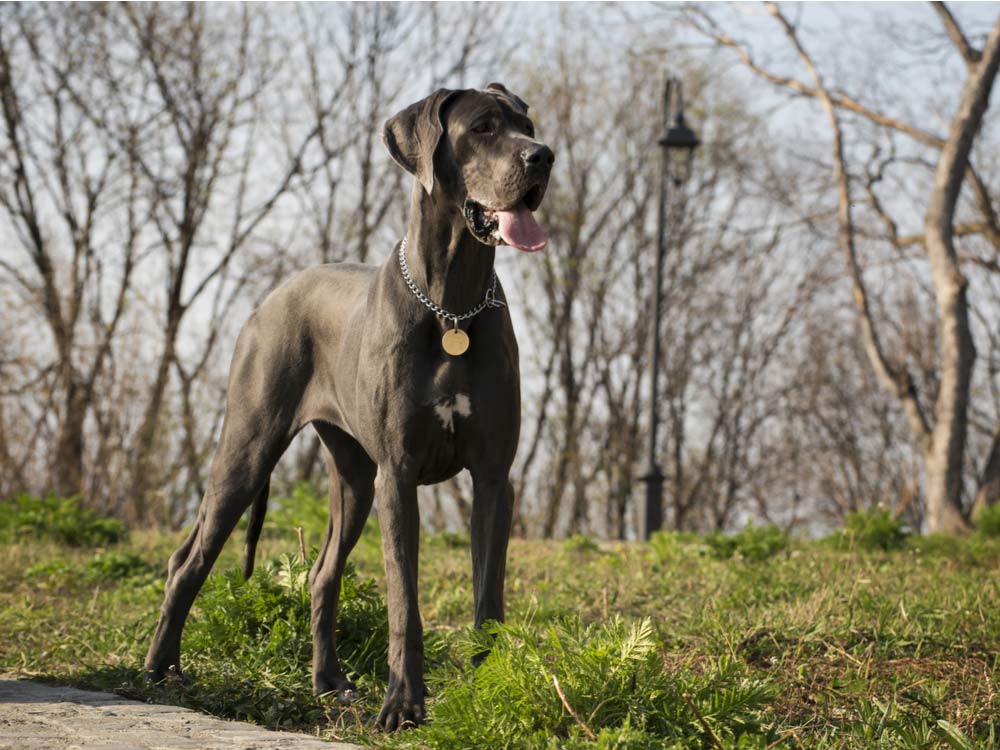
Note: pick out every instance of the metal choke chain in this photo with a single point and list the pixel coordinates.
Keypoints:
(489, 301)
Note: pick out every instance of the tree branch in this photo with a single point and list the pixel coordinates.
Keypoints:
(896, 379)
(969, 53)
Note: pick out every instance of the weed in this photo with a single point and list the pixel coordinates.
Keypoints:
(669, 545)
(580, 543)
(266, 620)
(51, 571)
(571, 685)
(104, 567)
(988, 521)
(116, 565)
(870, 530)
(753, 543)
(59, 519)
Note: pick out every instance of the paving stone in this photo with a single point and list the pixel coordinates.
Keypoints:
(42, 717)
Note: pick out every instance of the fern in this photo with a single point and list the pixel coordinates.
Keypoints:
(613, 677)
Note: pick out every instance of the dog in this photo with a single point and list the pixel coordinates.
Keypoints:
(408, 372)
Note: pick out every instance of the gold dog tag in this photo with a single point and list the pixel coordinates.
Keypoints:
(455, 342)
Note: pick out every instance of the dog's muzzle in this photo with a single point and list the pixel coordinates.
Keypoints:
(515, 225)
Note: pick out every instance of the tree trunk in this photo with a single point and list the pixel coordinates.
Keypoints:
(958, 353)
(568, 451)
(944, 443)
(142, 460)
(67, 457)
(989, 482)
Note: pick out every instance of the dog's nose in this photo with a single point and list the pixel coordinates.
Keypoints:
(538, 155)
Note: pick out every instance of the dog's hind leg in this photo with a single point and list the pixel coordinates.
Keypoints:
(248, 451)
(268, 379)
(352, 489)
(399, 520)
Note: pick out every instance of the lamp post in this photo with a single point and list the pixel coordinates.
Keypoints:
(677, 145)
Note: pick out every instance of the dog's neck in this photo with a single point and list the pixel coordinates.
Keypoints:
(451, 266)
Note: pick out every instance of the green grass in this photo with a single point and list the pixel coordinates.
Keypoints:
(689, 642)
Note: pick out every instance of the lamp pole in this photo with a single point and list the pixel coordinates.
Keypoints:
(677, 147)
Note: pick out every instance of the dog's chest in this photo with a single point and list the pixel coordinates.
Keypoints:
(450, 409)
(448, 414)
(449, 400)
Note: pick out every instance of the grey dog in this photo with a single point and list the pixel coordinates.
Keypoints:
(360, 353)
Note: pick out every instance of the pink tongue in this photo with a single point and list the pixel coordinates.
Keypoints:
(519, 229)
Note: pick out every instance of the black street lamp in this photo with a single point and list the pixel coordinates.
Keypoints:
(677, 147)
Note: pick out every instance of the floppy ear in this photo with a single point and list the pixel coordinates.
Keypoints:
(514, 98)
(412, 136)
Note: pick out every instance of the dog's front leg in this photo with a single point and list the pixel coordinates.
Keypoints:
(492, 510)
(399, 519)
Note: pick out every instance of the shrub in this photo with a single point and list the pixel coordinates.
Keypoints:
(59, 519)
(874, 529)
(987, 521)
(611, 675)
(753, 543)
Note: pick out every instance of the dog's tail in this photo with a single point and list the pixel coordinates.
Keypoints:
(255, 523)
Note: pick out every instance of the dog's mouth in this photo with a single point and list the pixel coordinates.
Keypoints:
(514, 226)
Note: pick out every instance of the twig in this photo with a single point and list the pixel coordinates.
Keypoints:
(302, 545)
(702, 721)
(562, 696)
(790, 734)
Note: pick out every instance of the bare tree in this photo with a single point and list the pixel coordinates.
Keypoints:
(60, 179)
(941, 429)
(726, 313)
(210, 85)
(162, 168)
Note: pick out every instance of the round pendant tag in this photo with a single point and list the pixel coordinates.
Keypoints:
(455, 341)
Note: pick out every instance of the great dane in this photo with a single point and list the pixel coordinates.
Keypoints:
(409, 373)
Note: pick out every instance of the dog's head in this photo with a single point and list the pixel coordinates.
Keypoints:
(476, 150)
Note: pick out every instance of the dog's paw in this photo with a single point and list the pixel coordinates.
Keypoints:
(337, 686)
(402, 709)
(164, 675)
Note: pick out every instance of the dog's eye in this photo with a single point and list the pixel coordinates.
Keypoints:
(530, 129)
(483, 128)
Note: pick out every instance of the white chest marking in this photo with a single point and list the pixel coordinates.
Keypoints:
(448, 407)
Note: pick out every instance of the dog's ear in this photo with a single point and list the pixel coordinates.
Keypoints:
(514, 98)
(412, 136)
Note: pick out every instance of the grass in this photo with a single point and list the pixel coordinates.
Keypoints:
(754, 641)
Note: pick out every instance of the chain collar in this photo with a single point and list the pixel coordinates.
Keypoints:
(489, 301)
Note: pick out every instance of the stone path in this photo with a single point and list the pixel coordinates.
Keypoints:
(42, 717)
